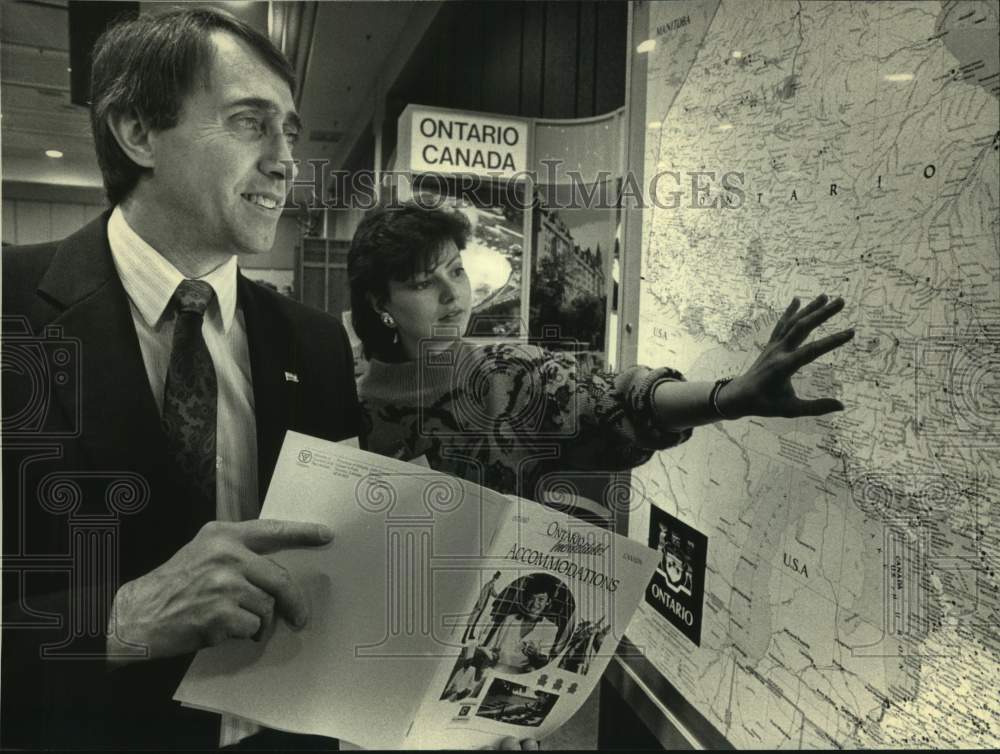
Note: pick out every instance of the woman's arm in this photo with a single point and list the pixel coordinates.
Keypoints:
(765, 389)
(602, 420)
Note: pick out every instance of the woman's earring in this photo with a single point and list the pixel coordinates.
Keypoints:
(388, 321)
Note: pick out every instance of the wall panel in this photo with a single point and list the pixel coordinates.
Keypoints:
(502, 64)
(609, 57)
(559, 61)
(532, 56)
(34, 222)
(586, 60)
(65, 219)
(27, 221)
(532, 59)
(9, 222)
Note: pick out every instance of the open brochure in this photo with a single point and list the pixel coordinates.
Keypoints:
(443, 614)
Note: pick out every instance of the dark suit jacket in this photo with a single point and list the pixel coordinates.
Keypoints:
(89, 501)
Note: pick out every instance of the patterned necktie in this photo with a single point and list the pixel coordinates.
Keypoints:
(190, 398)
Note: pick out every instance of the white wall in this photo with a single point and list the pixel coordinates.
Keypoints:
(27, 221)
(30, 221)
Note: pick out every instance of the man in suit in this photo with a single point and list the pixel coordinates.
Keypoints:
(147, 389)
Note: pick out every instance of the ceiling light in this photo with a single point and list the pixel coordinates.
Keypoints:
(648, 46)
(55, 154)
(899, 77)
(725, 126)
(654, 124)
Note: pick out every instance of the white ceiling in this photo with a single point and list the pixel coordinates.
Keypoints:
(352, 44)
(34, 99)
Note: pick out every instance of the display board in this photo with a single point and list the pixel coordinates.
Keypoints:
(540, 258)
(827, 582)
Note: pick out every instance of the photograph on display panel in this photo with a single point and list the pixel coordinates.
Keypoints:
(495, 252)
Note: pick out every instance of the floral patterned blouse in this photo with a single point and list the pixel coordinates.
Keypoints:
(508, 415)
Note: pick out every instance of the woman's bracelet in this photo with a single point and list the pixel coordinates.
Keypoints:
(713, 397)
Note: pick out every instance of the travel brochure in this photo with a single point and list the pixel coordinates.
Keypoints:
(443, 614)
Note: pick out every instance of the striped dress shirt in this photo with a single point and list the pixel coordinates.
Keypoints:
(150, 281)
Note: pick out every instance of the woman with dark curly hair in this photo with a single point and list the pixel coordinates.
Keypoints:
(504, 415)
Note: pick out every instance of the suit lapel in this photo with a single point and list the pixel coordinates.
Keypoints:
(117, 416)
(270, 344)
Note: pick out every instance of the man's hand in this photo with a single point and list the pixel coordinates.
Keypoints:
(530, 647)
(766, 388)
(219, 585)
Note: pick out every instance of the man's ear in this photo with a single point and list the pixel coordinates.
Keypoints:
(133, 136)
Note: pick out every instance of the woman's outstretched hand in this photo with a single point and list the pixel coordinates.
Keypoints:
(765, 389)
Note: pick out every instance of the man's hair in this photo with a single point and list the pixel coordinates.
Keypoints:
(147, 66)
(395, 243)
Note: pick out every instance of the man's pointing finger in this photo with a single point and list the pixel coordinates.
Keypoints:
(269, 535)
